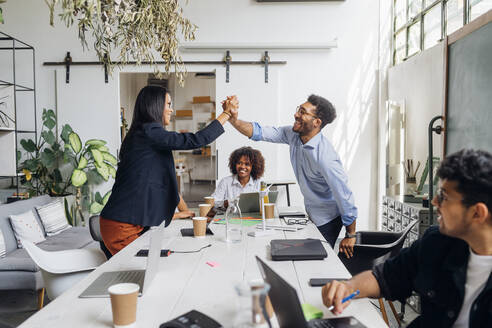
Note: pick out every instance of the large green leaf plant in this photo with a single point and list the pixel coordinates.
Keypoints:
(67, 166)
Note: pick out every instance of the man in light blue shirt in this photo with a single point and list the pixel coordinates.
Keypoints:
(328, 200)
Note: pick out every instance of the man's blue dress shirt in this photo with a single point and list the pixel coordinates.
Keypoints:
(319, 172)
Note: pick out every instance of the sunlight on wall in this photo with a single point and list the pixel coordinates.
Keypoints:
(360, 103)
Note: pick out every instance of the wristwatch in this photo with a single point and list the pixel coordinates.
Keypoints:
(350, 235)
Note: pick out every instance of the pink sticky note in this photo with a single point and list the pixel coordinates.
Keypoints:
(213, 264)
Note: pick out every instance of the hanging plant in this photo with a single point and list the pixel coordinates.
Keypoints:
(135, 28)
(1, 12)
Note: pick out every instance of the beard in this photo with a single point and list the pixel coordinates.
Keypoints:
(302, 127)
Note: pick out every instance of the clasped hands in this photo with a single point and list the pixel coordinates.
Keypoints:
(230, 106)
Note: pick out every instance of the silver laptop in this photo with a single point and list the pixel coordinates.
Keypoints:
(99, 287)
(291, 211)
(249, 202)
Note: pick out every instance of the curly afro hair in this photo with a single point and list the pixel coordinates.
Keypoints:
(255, 157)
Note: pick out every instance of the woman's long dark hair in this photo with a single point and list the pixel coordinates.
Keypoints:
(149, 108)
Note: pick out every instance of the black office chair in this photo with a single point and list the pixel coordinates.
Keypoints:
(372, 248)
(95, 230)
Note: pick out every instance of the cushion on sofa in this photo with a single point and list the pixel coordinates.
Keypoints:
(26, 227)
(53, 217)
(18, 260)
(16, 208)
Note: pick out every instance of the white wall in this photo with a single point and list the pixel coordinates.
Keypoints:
(419, 82)
(347, 75)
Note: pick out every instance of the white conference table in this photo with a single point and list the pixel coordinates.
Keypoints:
(185, 281)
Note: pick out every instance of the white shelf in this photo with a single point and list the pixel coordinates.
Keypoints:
(193, 45)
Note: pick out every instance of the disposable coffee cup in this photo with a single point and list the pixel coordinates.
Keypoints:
(199, 227)
(269, 210)
(209, 200)
(204, 209)
(124, 304)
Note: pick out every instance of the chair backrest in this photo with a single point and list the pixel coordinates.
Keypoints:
(95, 228)
(66, 261)
(375, 247)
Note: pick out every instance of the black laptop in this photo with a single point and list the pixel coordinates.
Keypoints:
(288, 308)
(297, 249)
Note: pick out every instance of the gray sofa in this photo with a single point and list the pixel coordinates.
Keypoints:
(17, 270)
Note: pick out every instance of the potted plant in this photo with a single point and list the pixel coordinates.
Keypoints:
(64, 167)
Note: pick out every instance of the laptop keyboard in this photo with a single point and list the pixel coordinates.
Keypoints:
(127, 276)
(100, 286)
(320, 324)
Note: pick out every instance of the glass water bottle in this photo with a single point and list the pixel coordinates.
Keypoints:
(234, 226)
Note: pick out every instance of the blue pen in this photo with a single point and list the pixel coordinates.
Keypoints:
(357, 292)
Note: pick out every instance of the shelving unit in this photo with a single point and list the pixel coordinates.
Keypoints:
(14, 92)
(192, 120)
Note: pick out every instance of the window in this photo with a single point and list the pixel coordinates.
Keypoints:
(414, 39)
(420, 24)
(479, 7)
(432, 26)
(454, 15)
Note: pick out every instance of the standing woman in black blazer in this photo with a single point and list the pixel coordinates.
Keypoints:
(145, 192)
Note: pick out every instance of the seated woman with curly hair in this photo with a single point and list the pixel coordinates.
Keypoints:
(247, 166)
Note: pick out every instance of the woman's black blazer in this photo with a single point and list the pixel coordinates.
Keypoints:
(146, 191)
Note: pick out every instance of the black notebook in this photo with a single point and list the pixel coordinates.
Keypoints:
(297, 249)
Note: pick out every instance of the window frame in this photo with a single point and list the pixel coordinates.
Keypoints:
(419, 18)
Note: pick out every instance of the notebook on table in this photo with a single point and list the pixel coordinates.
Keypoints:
(297, 249)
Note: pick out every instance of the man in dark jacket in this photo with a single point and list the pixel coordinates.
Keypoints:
(450, 266)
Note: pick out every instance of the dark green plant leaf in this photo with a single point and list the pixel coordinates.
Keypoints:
(49, 137)
(56, 146)
(57, 176)
(49, 123)
(48, 158)
(31, 165)
(66, 130)
(19, 156)
(57, 189)
(75, 142)
(28, 145)
(98, 198)
(94, 178)
(67, 212)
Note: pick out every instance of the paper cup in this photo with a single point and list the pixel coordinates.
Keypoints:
(199, 227)
(124, 304)
(269, 210)
(204, 209)
(209, 200)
